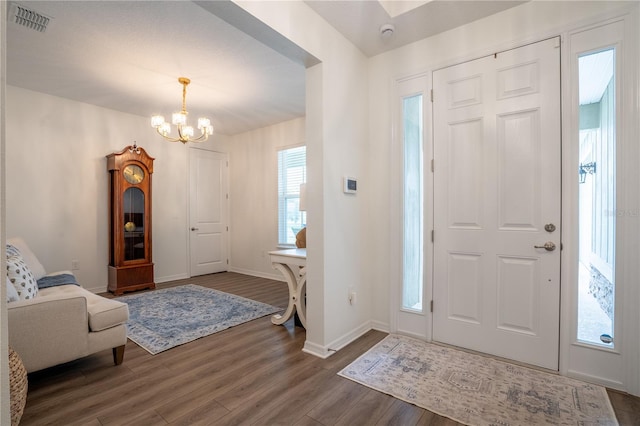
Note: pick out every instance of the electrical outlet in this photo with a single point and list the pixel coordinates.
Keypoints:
(75, 265)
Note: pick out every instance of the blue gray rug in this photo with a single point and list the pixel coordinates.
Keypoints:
(163, 319)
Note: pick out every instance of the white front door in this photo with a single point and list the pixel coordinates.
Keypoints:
(208, 211)
(497, 197)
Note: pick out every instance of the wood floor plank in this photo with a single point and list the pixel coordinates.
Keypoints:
(144, 418)
(268, 364)
(289, 404)
(254, 373)
(372, 405)
(400, 413)
(207, 414)
(341, 397)
(307, 421)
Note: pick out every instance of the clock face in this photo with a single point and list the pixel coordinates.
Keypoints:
(133, 174)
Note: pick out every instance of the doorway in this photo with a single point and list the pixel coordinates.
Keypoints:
(496, 279)
(208, 209)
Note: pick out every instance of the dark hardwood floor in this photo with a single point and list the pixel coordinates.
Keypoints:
(254, 373)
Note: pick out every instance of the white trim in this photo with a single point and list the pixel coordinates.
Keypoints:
(380, 326)
(175, 277)
(409, 333)
(316, 350)
(227, 187)
(631, 132)
(401, 88)
(594, 379)
(333, 347)
(615, 367)
(275, 277)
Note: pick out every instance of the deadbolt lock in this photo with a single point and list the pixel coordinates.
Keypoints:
(549, 227)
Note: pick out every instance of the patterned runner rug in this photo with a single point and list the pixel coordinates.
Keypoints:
(163, 319)
(477, 390)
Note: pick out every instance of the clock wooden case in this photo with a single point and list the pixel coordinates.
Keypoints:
(130, 256)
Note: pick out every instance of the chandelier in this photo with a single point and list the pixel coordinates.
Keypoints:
(179, 119)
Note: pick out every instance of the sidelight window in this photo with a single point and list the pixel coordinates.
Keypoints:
(412, 203)
(597, 197)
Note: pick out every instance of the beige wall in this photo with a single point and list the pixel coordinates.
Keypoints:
(57, 184)
(253, 178)
(336, 140)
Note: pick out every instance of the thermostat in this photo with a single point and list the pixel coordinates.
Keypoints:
(350, 185)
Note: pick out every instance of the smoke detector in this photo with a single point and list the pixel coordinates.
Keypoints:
(386, 31)
(27, 17)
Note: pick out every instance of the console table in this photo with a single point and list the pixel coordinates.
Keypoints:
(292, 263)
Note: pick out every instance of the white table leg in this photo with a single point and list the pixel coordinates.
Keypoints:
(297, 284)
(301, 300)
(292, 283)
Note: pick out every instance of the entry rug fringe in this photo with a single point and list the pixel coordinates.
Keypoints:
(477, 390)
(166, 318)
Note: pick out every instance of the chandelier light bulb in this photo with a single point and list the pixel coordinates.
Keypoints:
(179, 119)
(203, 122)
(164, 129)
(187, 131)
(157, 120)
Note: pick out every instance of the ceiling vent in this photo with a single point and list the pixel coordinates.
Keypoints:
(29, 18)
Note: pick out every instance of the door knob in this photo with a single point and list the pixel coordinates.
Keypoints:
(548, 246)
(194, 229)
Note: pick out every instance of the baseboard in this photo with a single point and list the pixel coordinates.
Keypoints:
(333, 347)
(316, 350)
(412, 335)
(168, 278)
(380, 326)
(275, 277)
(597, 380)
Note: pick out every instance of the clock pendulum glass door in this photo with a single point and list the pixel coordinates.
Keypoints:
(134, 224)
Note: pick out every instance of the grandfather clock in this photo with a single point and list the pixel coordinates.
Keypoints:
(130, 264)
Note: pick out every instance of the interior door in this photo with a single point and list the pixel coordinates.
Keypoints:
(497, 203)
(208, 211)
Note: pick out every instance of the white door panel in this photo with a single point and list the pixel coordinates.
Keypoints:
(208, 212)
(496, 185)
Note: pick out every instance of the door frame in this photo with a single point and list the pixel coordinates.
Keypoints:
(611, 367)
(189, 202)
(627, 250)
(493, 246)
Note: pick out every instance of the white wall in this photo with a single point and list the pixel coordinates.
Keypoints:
(5, 416)
(336, 138)
(253, 177)
(57, 184)
(530, 22)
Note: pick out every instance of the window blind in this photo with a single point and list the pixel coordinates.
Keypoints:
(292, 171)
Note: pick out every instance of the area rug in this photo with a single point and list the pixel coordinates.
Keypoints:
(477, 390)
(163, 319)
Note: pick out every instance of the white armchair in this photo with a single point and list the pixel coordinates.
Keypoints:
(64, 323)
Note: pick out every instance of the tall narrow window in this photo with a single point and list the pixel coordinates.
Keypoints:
(412, 204)
(597, 197)
(292, 171)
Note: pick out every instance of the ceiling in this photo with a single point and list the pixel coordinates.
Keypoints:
(127, 55)
(360, 21)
